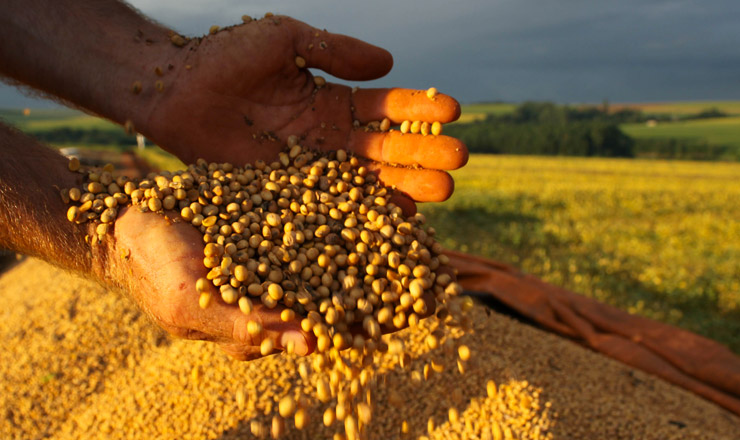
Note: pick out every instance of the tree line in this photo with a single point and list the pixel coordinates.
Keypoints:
(545, 128)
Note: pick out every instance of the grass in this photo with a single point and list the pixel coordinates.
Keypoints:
(657, 238)
(49, 119)
(161, 159)
(83, 122)
(17, 118)
(718, 131)
(474, 112)
(681, 108)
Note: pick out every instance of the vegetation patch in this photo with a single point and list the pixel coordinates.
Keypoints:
(656, 238)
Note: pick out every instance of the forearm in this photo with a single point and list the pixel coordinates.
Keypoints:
(32, 213)
(88, 53)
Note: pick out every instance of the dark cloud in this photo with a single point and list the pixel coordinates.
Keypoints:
(476, 50)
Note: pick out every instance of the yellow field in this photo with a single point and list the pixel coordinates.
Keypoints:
(659, 238)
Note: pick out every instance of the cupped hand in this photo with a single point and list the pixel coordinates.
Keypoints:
(237, 95)
(158, 260)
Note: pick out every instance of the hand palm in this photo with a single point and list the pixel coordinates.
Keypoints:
(159, 260)
(244, 95)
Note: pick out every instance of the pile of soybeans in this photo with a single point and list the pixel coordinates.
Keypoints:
(81, 362)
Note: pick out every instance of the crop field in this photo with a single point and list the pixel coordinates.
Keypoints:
(657, 238)
(40, 120)
(718, 131)
(474, 112)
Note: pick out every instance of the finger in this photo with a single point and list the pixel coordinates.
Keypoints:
(449, 270)
(342, 56)
(240, 352)
(406, 204)
(399, 105)
(421, 185)
(434, 152)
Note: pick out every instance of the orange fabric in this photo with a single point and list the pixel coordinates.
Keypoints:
(683, 358)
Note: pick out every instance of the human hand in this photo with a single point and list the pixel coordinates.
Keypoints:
(158, 260)
(243, 71)
(243, 95)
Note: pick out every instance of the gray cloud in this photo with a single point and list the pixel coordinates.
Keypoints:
(477, 50)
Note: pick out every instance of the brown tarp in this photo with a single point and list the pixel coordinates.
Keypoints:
(698, 364)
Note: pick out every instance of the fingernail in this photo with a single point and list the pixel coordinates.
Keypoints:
(297, 338)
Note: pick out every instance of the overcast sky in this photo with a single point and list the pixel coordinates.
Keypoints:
(514, 50)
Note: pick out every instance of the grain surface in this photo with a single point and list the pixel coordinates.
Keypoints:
(82, 362)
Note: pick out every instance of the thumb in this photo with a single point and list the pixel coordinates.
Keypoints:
(228, 325)
(341, 56)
